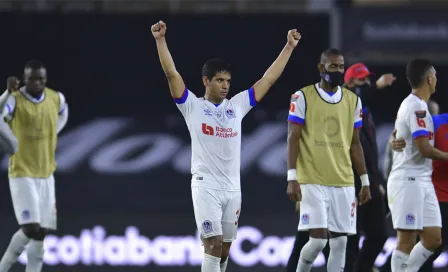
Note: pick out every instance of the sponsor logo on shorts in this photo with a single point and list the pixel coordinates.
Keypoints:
(25, 214)
(305, 219)
(207, 226)
(410, 219)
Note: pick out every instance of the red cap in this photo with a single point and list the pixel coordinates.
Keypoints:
(358, 70)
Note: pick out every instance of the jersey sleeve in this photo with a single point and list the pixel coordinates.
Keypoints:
(186, 102)
(62, 103)
(415, 118)
(8, 111)
(358, 115)
(297, 109)
(245, 100)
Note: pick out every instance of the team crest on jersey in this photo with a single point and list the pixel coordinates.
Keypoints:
(208, 112)
(420, 114)
(25, 214)
(230, 113)
(207, 226)
(294, 97)
(218, 113)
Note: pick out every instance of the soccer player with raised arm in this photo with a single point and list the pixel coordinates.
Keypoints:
(36, 115)
(323, 141)
(214, 123)
(412, 199)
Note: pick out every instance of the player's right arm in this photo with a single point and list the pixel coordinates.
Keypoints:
(8, 141)
(296, 120)
(420, 134)
(175, 81)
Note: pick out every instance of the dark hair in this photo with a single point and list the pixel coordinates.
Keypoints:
(34, 65)
(416, 71)
(329, 52)
(213, 66)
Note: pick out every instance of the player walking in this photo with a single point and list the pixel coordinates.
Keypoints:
(323, 141)
(35, 114)
(214, 123)
(411, 195)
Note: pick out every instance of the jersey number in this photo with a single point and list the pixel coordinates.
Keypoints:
(292, 107)
(421, 123)
(360, 113)
(353, 209)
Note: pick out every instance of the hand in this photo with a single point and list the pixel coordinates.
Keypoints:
(395, 144)
(364, 195)
(385, 81)
(12, 84)
(382, 190)
(293, 191)
(159, 30)
(293, 37)
(298, 207)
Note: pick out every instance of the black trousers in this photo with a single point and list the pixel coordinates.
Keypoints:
(371, 221)
(428, 266)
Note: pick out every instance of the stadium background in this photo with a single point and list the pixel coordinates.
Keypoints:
(123, 185)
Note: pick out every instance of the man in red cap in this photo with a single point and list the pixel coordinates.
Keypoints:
(372, 215)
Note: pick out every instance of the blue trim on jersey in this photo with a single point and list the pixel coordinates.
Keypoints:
(439, 120)
(9, 108)
(183, 98)
(295, 119)
(252, 99)
(420, 133)
(358, 124)
(330, 93)
(63, 109)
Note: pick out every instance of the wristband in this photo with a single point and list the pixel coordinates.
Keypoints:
(292, 174)
(365, 180)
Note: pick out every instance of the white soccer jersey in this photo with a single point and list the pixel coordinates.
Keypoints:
(297, 109)
(215, 132)
(413, 121)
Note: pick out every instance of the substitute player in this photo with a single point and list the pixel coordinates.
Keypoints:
(214, 123)
(35, 114)
(323, 141)
(411, 195)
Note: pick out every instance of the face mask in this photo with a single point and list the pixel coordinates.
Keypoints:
(333, 78)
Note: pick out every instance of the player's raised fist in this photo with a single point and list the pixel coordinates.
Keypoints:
(293, 37)
(158, 30)
(12, 84)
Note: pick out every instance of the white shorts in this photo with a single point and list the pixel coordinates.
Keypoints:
(216, 212)
(34, 201)
(325, 207)
(413, 204)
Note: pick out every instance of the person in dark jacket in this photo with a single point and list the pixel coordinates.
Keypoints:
(371, 216)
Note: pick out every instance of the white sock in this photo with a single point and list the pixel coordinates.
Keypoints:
(224, 265)
(309, 253)
(399, 261)
(418, 257)
(35, 254)
(336, 260)
(211, 264)
(15, 248)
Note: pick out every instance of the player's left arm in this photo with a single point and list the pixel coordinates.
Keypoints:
(263, 85)
(62, 114)
(357, 155)
(8, 141)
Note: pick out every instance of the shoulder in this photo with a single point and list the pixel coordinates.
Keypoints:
(349, 93)
(308, 89)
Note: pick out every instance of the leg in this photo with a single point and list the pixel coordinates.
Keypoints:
(431, 235)
(341, 221)
(25, 201)
(352, 252)
(47, 208)
(208, 214)
(230, 216)
(302, 237)
(372, 219)
(407, 218)
(313, 217)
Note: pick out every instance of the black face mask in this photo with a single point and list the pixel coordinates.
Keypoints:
(364, 92)
(333, 78)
